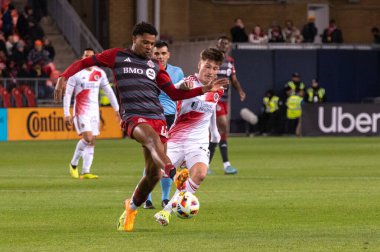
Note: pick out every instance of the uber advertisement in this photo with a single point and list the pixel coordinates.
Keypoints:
(341, 119)
(48, 124)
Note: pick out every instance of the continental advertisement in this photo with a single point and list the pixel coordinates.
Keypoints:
(48, 124)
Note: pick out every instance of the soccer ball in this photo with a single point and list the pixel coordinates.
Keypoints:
(186, 205)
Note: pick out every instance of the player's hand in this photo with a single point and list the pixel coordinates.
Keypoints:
(186, 85)
(68, 121)
(118, 117)
(59, 90)
(242, 95)
(215, 85)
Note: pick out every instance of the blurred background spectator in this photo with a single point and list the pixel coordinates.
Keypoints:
(376, 35)
(309, 30)
(257, 36)
(275, 33)
(315, 93)
(332, 34)
(238, 33)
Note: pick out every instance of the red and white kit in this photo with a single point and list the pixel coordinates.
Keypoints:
(85, 85)
(189, 135)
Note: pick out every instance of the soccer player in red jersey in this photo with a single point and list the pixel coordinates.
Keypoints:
(226, 70)
(139, 80)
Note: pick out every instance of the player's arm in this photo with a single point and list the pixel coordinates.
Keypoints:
(215, 136)
(236, 84)
(105, 85)
(105, 59)
(164, 83)
(67, 101)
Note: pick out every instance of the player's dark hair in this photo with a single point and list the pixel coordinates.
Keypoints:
(144, 27)
(213, 54)
(223, 38)
(90, 49)
(160, 44)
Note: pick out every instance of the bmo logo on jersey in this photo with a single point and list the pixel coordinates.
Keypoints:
(132, 70)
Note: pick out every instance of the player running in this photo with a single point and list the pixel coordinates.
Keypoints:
(86, 84)
(189, 135)
(139, 80)
(227, 70)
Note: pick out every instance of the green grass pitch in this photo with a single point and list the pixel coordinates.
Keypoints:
(291, 194)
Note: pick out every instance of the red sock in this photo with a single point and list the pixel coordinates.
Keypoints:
(170, 170)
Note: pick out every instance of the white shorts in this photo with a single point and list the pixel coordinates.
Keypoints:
(85, 123)
(192, 153)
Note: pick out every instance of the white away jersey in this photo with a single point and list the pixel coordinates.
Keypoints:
(193, 116)
(86, 85)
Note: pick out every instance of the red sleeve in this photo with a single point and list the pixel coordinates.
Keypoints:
(164, 83)
(104, 59)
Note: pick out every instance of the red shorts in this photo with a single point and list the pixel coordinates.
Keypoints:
(158, 125)
(221, 108)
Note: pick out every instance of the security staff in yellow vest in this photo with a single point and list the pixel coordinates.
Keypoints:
(295, 84)
(315, 94)
(294, 110)
(270, 116)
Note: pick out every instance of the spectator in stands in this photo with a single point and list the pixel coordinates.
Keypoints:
(257, 36)
(38, 56)
(23, 21)
(309, 31)
(376, 35)
(35, 32)
(288, 30)
(19, 54)
(48, 46)
(2, 43)
(296, 36)
(332, 34)
(7, 20)
(39, 9)
(315, 94)
(3, 65)
(295, 84)
(238, 33)
(275, 33)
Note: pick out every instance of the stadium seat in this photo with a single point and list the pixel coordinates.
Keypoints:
(17, 98)
(29, 95)
(5, 98)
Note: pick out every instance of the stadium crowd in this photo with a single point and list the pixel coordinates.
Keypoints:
(25, 52)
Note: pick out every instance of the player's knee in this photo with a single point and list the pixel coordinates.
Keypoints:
(152, 143)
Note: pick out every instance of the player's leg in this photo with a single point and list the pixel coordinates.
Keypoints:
(148, 203)
(88, 156)
(197, 158)
(81, 145)
(222, 123)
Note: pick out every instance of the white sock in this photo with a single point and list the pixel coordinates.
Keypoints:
(226, 164)
(81, 145)
(191, 186)
(168, 207)
(88, 156)
(132, 205)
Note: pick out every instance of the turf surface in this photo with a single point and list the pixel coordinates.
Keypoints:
(291, 194)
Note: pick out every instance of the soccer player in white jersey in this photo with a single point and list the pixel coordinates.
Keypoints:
(85, 85)
(189, 135)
